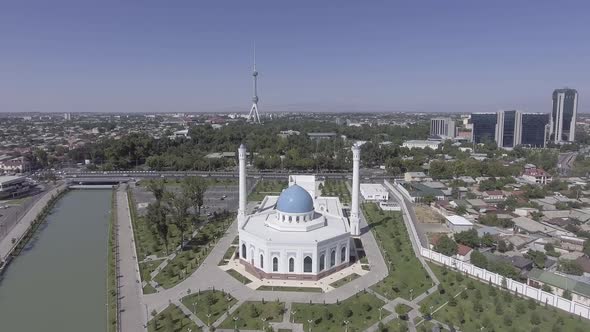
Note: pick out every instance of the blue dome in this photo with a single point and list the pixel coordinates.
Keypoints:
(295, 200)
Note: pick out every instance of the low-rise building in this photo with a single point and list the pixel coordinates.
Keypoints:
(374, 192)
(559, 283)
(493, 195)
(12, 186)
(414, 176)
(536, 175)
(421, 144)
(458, 224)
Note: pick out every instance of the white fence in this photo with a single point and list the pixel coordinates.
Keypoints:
(515, 286)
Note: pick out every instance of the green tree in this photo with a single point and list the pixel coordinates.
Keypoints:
(478, 259)
(157, 188)
(446, 246)
(194, 188)
(178, 206)
(156, 216)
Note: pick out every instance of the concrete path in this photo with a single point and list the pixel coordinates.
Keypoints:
(133, 311)
(19, 230)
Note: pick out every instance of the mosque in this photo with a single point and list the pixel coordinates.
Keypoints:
(298, 234)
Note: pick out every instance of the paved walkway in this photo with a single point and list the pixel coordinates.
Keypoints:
(133, 312)
(19, 230)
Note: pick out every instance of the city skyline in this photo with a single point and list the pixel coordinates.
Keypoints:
(462, 57)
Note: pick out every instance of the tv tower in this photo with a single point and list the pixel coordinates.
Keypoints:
(253, 116)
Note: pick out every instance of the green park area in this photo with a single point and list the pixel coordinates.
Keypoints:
(470, 305)
(252, 315)
(407, 278)
(238, 276)
(344, 281)
(358, 312)
(267, 187)
(209, 305)
(336, 188)
(172, 319)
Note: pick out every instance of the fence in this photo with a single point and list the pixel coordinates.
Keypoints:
(512, 285)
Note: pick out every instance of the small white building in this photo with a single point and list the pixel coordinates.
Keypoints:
(390, 206)
(421, 144)
(374, 192)
(458, 224)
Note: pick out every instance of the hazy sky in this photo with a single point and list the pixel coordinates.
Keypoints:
(196, 56)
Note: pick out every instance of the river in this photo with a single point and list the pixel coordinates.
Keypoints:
(58, 283)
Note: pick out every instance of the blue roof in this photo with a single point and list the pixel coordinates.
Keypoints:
(295, 200)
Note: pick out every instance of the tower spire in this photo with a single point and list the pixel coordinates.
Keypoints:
(253, 116)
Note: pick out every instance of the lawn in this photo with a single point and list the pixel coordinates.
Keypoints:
(267, 187)
(406, 273)
(193, 254)
(344, 280)
(149, 289)
(229, 253)
(146, 268)
(361, 311)
(250, 315)
(481, 305)
(239, 276)
(290, 289)
(213, 302)
(172, 319)
(336, 188)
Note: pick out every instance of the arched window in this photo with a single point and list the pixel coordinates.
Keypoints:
(322, 262)
(261, 261)
(307, 264)
(342, 254)
(243, 251)
(291, 264)
(275, 264)
(332, 258)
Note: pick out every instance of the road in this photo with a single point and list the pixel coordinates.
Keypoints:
(565, 162)
(133, 312)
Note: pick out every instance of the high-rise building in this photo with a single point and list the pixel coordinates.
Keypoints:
(563, 115)
(508, 128)
(484, 127)
(442, 127)
(535, 129)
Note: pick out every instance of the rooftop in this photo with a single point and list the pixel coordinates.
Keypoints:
(459, 221)
(560, 281)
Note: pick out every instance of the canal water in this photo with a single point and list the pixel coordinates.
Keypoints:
(58, 283)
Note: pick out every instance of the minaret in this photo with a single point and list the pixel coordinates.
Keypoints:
(253, 116)
(354, 208)
(242, 193)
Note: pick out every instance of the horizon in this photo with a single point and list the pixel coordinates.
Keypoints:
(312, 58)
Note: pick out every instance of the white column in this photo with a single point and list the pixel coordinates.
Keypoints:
(354, 208)
(242, 193)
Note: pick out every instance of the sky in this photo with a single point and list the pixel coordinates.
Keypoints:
(332, 56)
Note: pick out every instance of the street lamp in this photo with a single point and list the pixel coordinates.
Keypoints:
(208, 321)
(346, 325)
(380, 309)
(195, 308)
(309, 321)
(411, 292)
(263, 319)
(293, 314)
(235, 323)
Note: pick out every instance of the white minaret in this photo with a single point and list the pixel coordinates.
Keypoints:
(354, 208)
(242, 193)
(253, 116)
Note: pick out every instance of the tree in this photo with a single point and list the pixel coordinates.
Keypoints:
(487, 240)
(194, 188)
(586, 249)
(502, 247)
(468, 238)
(428, 199)
(478, 259)
(179, 205)
(446, 246)
(157, 188)
(537, 257)
(535, 318)
(567, 294)
(156, 216)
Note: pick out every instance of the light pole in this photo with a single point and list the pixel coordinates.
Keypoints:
(431, 311)
(208, 319)
(293, 315)
(195, 308)
(380, 310)
(411, 294)
(309, 321)
(263, 319)
(235, 323)
(346, 325)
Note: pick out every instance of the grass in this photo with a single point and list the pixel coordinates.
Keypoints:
(290, 289)
(195, 251)
(344, 280)
(405, 272)
(336, 188)
(172, 319)
(267, 187)
(480, 304)
(237, 275)
(360, 310)
(229, 253)
(112, 292)
(250, 314)
(146, 268)
(213, 302)
(149, 289)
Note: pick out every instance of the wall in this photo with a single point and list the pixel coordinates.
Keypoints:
(515, 286)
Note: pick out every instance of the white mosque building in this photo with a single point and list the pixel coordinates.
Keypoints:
(298, 234)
